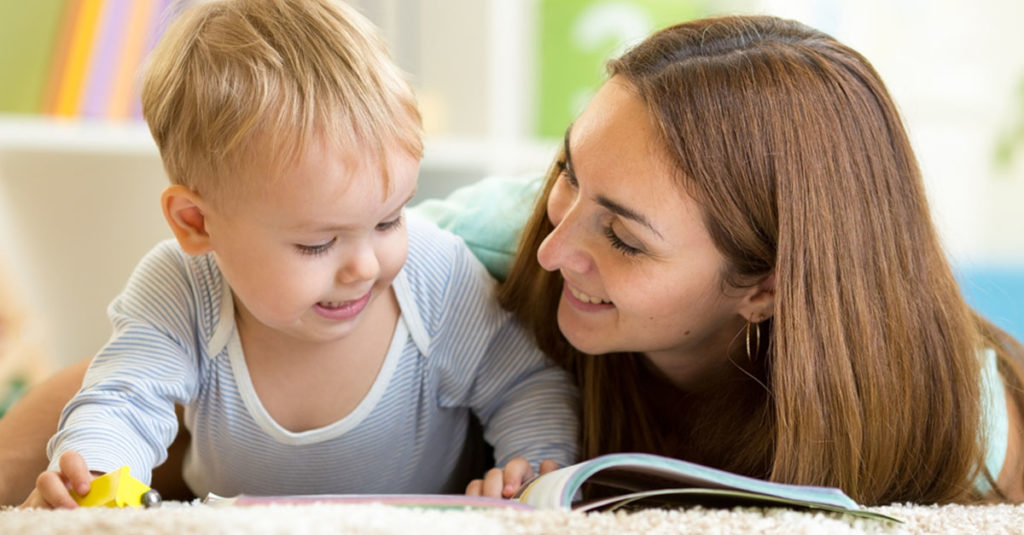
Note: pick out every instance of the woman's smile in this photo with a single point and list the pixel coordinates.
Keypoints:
(584, 297)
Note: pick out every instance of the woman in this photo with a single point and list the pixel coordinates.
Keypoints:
(738, 226)
(734, 256)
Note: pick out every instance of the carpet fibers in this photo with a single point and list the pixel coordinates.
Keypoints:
(176, 517)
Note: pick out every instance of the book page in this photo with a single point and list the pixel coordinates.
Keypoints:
(679, 497)
(632, 472)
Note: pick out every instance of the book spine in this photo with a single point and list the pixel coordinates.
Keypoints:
(106, 48)
(72, 78)
(141, 21)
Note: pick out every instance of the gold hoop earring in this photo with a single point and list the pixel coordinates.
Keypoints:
(757, 340)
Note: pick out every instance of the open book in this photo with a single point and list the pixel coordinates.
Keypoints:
(629, 480)
(634, 480)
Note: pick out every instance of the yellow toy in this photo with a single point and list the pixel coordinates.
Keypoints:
(118, 489)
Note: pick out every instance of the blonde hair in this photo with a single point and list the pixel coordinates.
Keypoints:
(792, 146)
(234, 83)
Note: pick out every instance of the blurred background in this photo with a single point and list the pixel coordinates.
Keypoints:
(498, 81)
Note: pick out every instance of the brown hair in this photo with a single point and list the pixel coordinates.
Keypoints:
(793, 148)
(234, 83)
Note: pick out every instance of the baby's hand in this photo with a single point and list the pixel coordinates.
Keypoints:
(53, 488)
(504, 482)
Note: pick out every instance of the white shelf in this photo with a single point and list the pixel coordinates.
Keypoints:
(491, 157)
(54, 135)
(49, 134)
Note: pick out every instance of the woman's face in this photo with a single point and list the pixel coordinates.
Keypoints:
(641, 272)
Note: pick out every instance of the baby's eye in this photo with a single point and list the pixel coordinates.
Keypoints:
(317, 249)
(394, 224)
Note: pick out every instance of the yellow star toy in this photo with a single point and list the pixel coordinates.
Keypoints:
(118, 489)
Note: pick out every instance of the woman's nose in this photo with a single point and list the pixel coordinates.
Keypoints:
(564, 247)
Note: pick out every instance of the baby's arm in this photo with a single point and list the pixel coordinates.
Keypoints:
(530, 416)
(124, 414)
(486, 362)
(528, 406)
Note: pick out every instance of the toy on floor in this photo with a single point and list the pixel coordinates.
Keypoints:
(118, 489)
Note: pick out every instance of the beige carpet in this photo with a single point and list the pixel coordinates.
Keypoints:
(176, 518)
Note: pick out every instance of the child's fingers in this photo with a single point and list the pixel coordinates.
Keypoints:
(34, 500)
(504, 482)
(475, 488)
(516, 471)
(493, 482)
(73, 467)
(548, 466)
(51, 491)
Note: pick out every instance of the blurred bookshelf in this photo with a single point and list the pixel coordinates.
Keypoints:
(497, 83)
(36, 133)
(80, 175)
(497, 106)
(76, 58)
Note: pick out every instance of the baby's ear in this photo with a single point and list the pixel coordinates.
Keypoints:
(183, 210)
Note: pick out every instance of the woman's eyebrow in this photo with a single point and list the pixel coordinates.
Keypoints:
(565, 149)
(607, 203)
(627, 213)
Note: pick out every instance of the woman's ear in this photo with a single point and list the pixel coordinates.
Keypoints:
(759, 302)
(183, 210)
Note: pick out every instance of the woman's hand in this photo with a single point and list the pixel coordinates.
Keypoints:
(504, 482)
(53, 489)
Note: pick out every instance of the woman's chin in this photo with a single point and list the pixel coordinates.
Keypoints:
(582, 338)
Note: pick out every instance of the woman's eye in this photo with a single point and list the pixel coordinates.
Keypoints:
(565, 172)
(617, 242)
(394, 224)
(314, 250)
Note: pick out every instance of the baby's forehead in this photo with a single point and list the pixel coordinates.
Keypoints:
(321, 189)
(317, 162)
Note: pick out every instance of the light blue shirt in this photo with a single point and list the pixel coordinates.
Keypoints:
(453, 352)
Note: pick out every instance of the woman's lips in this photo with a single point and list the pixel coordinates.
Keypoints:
(584, 301)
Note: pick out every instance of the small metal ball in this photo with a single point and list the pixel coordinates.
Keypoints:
(151, 498)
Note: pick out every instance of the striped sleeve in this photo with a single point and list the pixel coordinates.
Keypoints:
(527, 405)
(124, 414)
